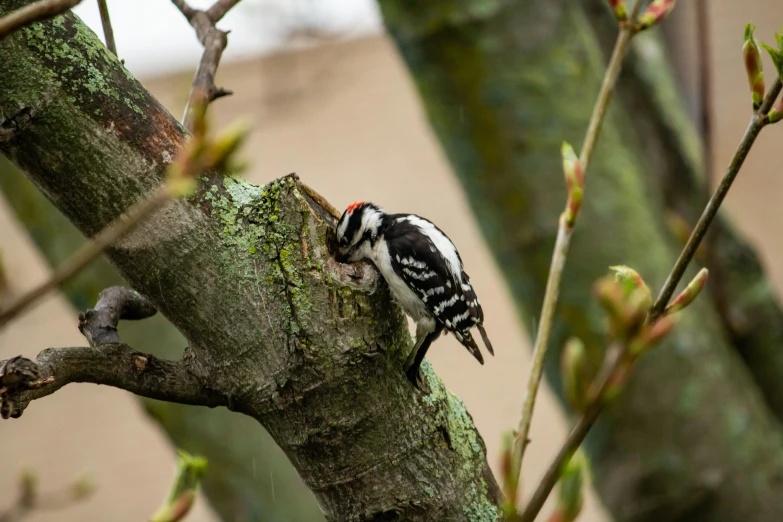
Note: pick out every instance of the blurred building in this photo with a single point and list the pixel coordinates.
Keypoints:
(345, 117)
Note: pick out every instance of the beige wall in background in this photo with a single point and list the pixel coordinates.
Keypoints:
(346, 118)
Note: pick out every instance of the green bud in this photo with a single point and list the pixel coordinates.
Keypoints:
(776, 54)
(576, 374)
(575, 182)
(571, 495)
(190, 471)
(632, 281)
(690, 293)
(83, 488)
(619, 9)
(226, 144)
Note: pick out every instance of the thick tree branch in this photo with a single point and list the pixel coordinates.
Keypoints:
(106, 361)
(36, 12)
(116, 365)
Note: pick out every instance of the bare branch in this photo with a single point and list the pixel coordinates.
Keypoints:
(564, 233)
(184, 8)
(214, 42)
(108, 32)
(32, 13)
(116, 365)
(220, 8)
(757, 122)
(106, 361)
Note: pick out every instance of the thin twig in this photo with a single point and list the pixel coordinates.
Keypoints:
(108, 33)
(214, 42)
(117, 229)
(705, 87)
(184, 8)
(220, 8)
(563, 242)
(757, 122)
(36, 12)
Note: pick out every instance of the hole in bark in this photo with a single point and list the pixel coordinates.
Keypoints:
(386, 516)
(444, 432)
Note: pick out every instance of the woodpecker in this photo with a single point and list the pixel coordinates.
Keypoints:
(423, 270)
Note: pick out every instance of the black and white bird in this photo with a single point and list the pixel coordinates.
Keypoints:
(423, 270)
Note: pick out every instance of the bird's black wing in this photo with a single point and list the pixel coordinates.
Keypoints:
(449, 298)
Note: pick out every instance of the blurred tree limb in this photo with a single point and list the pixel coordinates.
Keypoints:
(504, 83)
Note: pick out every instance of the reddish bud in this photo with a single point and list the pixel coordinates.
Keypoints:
(655, 12)
(619, 9)
(575, 182)
(690, 293)
(751, 54)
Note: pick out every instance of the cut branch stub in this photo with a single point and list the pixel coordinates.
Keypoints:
(99, 325)
(16, 374)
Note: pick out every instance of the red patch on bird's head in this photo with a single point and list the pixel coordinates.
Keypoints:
(353, 206)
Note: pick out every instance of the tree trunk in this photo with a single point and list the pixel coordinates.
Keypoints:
(504, 83)
(274, 325)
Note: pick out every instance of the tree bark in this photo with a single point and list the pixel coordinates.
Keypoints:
(273, 324)
(503, 84)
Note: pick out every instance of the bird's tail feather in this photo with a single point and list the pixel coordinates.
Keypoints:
(486, 339)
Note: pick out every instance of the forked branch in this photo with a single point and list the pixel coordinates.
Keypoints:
(106, 361)
(214, 42)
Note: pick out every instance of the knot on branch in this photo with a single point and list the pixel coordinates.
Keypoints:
(18, 374)
(99, 325)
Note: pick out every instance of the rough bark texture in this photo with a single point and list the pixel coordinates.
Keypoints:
(504, 83)
(285, 334)
(249, 477)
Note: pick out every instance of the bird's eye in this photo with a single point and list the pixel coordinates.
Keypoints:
(343, 241)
